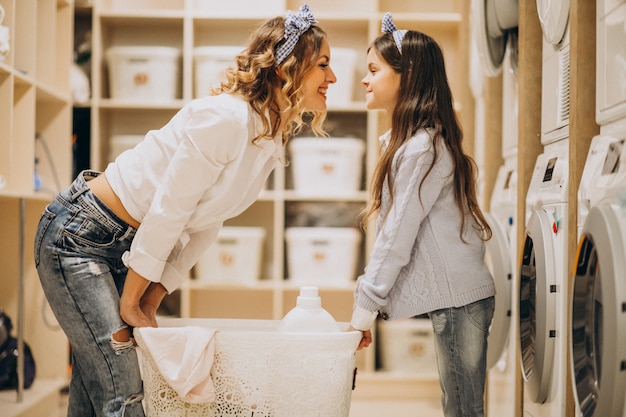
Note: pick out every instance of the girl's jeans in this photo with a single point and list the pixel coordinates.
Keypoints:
(461, 346)
(78, 249)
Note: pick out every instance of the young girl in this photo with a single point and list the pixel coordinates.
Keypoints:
(428, 256)
(111, 246)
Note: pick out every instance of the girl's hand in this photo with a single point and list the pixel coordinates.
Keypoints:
(366, 337)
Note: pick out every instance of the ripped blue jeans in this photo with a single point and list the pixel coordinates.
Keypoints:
(461, 346)
(78, 249)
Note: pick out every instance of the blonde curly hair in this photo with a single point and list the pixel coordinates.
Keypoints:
(269, 87)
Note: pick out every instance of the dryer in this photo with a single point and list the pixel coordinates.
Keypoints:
(501, 258)
(543, 269)
(502, 254)
(598, 300)
(543, 285)
(610, 61)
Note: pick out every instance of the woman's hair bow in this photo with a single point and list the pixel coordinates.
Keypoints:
(295, 26)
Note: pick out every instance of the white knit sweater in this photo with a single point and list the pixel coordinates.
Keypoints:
(419, 262)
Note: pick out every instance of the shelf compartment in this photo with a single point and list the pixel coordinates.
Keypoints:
(344, 7)
(8, 22)
(23, 137)
(24, 44)
(125, 121)
(131, 31)
(6, 123)
(420, 6)
(261, 213)
(52, 147)
(212, 31)
(239, 8)
(142, 6)
(236, 302)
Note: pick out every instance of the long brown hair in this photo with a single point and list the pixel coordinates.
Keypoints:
(257, 78)
(424, 102)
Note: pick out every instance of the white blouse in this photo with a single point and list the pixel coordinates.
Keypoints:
(184, 180)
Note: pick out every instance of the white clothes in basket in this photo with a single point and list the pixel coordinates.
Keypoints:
(184, 357)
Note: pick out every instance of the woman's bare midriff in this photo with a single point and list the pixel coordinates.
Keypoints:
(102, 189)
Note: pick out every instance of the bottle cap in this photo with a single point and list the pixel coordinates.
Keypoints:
(309, 296)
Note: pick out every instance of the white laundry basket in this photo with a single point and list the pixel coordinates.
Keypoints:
(261, 372)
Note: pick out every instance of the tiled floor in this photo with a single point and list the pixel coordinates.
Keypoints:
(365, 408)
(395, 408)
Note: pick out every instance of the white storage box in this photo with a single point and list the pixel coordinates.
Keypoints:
(322, 255)
(327, 166)
(143, 72)
(121, 143)
(343, 64)
(407, 346)
(253, 8)
(210, 63)
(259, 371)
(235, 257)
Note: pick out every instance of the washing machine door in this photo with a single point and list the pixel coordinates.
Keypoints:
(537, 305)
(598, 320)
(498, 260)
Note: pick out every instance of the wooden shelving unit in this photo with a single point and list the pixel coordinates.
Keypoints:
(35, 162)
(187, 24)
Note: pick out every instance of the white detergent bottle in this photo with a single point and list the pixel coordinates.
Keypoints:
(308, 315)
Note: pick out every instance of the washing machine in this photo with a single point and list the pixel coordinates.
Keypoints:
(610, 61)
(598, 299)
(543, 262)
(493, 23)
(543, 285)
(502, 374)
(501, 258)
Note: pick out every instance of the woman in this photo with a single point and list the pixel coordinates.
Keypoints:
(112, 245)
(428, 256)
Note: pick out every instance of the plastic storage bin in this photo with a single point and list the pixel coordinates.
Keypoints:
(327, 166)
(235, 257)
(121, 143)
(259, 371)
(238, 8)
(322, 255)
(210, 63)
(143, 72)
(407, 346)
(343, 63)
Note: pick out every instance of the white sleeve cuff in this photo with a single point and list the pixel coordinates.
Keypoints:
(363, 319)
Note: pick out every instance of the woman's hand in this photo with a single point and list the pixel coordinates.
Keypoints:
(130, 309)
(151, 301)
(366, 337)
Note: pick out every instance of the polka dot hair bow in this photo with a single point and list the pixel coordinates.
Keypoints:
(390, 27)
(295, 25)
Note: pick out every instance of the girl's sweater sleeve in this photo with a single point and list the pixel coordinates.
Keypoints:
(398, 232)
